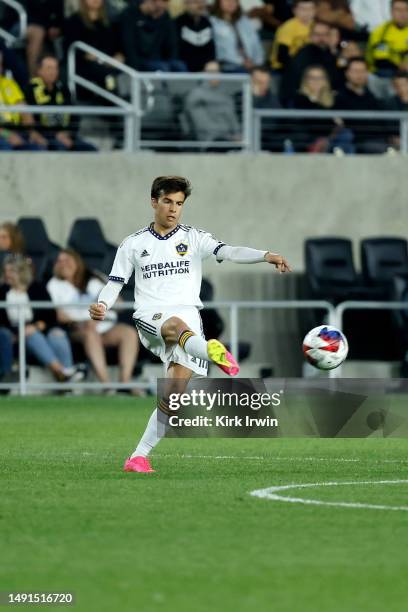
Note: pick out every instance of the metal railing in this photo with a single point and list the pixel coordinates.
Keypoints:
(140, 81)
(341, 308)
(12, 39)
(298, 114)
(24, 385)
(106, 111)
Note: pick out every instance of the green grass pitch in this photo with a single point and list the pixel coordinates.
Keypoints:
(191, 537)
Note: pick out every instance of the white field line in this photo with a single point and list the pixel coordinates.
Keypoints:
(261, 458)
(272, 494)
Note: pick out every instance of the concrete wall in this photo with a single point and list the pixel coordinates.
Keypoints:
(265, 201)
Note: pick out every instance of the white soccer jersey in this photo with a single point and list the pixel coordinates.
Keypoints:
(168, 270)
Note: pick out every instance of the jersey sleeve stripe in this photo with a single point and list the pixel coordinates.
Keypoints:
(117, 279)
(218, 247)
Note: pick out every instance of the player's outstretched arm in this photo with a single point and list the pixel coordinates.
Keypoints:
(246, 255)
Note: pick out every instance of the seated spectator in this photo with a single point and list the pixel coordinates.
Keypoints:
(272, 14)
(293, 34)
(72, 282)
(388, 43)
(6, 355)
(319, 135)
(315, 53)
(273, 130)
(12, 138)
(262, 96)
(355, 96)
(238, 47)
(210, 112)
(91, 25)
(399, 102)
(149, 38)
(196, 36)
(57, 132)
(336, 13)
(11, 239)
(48, 343)
(370, 13)
(45, 21)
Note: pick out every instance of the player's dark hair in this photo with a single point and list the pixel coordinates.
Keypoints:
(163, 185)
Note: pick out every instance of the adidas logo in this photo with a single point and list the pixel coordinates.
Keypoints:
(145, 254)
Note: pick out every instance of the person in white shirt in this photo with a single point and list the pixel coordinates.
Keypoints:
(371, 13)
(166, 258)
(71, 282)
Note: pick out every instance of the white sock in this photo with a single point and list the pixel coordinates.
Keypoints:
(194, 345)
(154, 432)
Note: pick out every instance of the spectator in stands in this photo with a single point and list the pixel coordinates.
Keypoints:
(238, 47)
(58, 132)
(399, 102)
(196, 36)
(316, 53)
(388, 43)
(210, 112)
(355, 96)
(72, 282)
(11, 239)
(45, 22)
(12, 138)
(293, 34)
(91, 25)
(6, 354)
(336, 13)
(149, 37)
(370, 14)
(348, 49)
(272, 14)
(44, 340)
(262, 96)
(319, 135)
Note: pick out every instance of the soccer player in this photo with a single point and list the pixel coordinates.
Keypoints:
(166, 258)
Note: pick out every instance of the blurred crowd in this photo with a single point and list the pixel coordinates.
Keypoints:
(52, 336)
(301, 54)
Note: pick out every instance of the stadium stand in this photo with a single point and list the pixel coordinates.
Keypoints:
(343, 34)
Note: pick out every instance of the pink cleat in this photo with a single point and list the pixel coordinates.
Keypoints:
(219, 355)
(138, 464)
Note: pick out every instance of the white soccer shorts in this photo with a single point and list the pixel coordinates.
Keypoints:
(148, 323)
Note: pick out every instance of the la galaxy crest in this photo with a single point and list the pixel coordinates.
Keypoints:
(182, 248)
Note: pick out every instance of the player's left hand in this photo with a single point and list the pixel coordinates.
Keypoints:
(278, 261)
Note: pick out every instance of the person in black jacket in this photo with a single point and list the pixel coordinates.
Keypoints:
(149, 38)
(92, 26)
(44, 340)
(196, 36)
(316, 53)
(355, 96)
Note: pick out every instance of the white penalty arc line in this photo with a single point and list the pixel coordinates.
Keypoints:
(271, 493)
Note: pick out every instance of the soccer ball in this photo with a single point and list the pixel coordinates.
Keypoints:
(325, 347)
